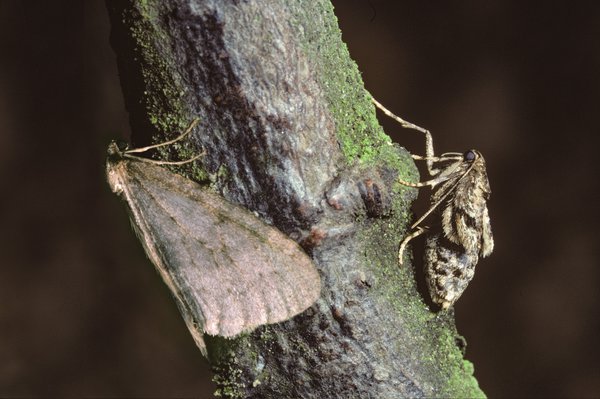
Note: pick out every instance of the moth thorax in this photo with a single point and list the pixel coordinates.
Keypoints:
(114, 177)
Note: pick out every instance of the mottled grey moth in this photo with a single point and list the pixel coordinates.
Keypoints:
(228, 271)
(464, 234)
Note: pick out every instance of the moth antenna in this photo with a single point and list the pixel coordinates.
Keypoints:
(444, 157)
(176, 139)
(452, 155)
(158, 162)
(187, 131)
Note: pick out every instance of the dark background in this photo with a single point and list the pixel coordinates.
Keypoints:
(82, 312)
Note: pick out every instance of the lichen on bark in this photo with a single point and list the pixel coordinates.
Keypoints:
(289, 132)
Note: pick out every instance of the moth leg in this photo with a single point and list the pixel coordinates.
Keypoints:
(433, 206)
(417, 232)
(417, 229)
(430, 157)
(432, 182)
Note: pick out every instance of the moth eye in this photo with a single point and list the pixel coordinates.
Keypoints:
(122, 145)
(469, 156)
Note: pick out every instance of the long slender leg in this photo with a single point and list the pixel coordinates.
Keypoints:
(429, 154)
(432, 182)
(442, 198)
(418, 231)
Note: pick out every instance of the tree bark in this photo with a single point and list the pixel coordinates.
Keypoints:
(290, 133)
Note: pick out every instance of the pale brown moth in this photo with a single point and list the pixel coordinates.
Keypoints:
(228, 271)
(460, 192)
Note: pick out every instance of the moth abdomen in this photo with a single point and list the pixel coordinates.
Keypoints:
(448, 270)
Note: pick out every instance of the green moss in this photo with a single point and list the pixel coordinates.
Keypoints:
(225, 363)
(164, 92)
(230, 356)
(357, 128)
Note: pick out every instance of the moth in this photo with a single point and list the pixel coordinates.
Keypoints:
(228, 271)
(460, 193)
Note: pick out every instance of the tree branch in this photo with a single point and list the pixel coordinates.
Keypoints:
(290, 133)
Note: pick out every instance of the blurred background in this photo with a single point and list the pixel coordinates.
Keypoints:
(82, 311)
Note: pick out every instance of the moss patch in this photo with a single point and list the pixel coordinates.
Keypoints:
(358, 131)
(164, 91)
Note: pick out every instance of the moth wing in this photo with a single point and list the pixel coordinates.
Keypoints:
(466, 220)
(223, 263)
(487, 239)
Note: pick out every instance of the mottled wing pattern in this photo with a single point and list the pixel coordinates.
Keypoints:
(221, 262)
(465, 219)
(448, 270)
(466, 234)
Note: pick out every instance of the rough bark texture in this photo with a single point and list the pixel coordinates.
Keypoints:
(289, 132)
